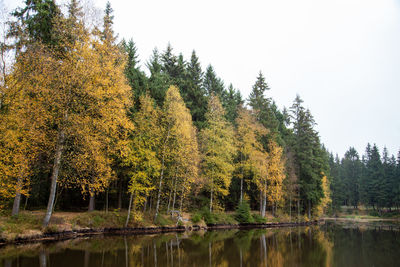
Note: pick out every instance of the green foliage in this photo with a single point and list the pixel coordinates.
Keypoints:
(196, 217)
(164, 220)
(207, 216)
(243, 214)
(258, 218)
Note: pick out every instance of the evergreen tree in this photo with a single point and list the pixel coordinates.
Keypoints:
(351, 175)
(263, 107)
(158, 81)
(194, 93)
(35, 23)
(212, 84)
(372, 183)
(136, 78)
(231, 102)
(310, 157)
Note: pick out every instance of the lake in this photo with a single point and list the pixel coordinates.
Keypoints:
(331, 244)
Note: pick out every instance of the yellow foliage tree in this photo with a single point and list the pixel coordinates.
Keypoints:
(78, 97)
(217, 147)
(276, 174)
(140, 155)
(326, 201)
(176, 142)
(248, 134)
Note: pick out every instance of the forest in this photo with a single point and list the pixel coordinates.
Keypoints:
(84, 127)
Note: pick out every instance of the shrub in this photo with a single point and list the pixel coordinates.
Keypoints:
(207, 216)
(258, 218)
(243, 214)
(196, 218)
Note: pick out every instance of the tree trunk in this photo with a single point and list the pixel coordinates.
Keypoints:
(54, 177)
(211, 194)
(26, 202)
(145, 204)
(241, 190)
(159, 190)
(309, 209)
(17, 199)
(107, 201)
(290, 208)
(120, 195)
(129, 210)
(264, 200)
(180, 206)
(173, 202)
(298, 210)
(161, 177)
(91, 202)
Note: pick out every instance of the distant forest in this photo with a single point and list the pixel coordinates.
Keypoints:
(372, 180)
(82, 125)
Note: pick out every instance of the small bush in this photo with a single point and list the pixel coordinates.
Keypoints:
(243, 214)
(208, 216)
(196, 218)
(258, 218)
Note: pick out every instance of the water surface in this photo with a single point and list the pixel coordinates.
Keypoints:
(325, 245)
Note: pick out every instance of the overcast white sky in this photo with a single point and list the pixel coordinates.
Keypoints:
(341, 56)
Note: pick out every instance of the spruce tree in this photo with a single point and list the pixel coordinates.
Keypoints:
(213, 84)
(136, 78)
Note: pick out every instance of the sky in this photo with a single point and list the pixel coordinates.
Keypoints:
(341, 56)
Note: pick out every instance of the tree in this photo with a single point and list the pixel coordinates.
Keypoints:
(217, 147)
(158, 81)
(372, 176)
(213, 84)
(231, 102)
(79, 97)
(311, 159)
(275, 174)
(176, 137)
(136, 78)
(263, 107)
(35, 23)
(351, 171)
(248, 135)
(140, 155)
(194, 93)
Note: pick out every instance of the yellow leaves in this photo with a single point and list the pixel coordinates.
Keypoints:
(319, 209)
(217, 145)
(276, 173)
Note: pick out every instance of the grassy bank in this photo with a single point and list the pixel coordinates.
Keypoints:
(364, 214)
(29, 223)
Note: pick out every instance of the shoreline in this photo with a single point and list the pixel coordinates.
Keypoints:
(65, 235)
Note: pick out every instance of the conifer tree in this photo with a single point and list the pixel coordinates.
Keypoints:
(263, 107)
(194, 93)
(213, 84)
(310, 158)
(136, 78)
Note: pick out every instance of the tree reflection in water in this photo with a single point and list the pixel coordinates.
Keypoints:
(304, 246)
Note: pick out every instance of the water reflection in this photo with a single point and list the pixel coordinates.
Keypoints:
(328, 245)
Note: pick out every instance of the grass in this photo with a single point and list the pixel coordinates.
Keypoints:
(29, 223)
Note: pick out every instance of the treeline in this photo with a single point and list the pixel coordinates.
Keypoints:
(372, 180)
(82, 124)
